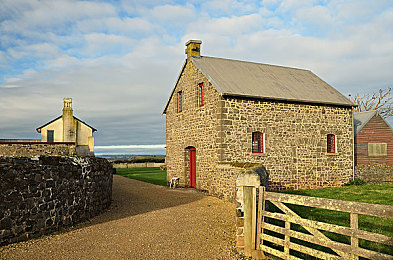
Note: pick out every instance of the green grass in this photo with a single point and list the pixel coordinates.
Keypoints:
(369, 193)
(152, 175)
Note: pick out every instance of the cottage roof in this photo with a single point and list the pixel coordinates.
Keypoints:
(360, 119)
(250, 79)
(57, 118)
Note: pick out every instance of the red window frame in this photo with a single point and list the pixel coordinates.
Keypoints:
(331, 143)
(179, 101)
(258, 145)
(201, 98)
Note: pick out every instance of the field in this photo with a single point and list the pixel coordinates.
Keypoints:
(152, 175)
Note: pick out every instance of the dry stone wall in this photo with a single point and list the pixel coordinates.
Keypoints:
(375, 173)
(36, 148)
(40, 195)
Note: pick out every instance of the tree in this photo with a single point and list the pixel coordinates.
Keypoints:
(381, 101)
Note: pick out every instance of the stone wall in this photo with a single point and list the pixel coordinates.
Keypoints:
(19, 149)
(40, 195)
(193, 127)
(136, 165)
(295, 141)
(376, 173)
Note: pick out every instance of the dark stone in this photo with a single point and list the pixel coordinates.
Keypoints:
(263, 176)
(6, 223)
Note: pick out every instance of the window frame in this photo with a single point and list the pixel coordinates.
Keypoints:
(179, 101)
(330, 137)
(201, 95)
(260, 142)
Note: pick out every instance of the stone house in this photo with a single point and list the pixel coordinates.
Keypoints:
(69, 129)
(226, 115)
(373, 139)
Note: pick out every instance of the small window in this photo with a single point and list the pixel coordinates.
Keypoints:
(179, 101)
(378, 149)
(50, 136)
(201, 100)
(258, 142)
(331, 143)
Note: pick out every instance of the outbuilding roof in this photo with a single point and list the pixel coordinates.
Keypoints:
(57, 118)
(250, 79)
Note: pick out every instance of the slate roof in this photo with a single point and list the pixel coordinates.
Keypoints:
(57, 118)
(249, 79)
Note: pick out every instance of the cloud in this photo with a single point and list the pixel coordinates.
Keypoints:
(119, 60)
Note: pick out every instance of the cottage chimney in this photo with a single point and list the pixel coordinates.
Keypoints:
(193, 48)
(69, 127)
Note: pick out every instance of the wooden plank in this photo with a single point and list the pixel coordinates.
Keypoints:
(313, 231)
(304, 237)
(254, 217)
(287, 238)
(354, 240)
(278, 253)
(328, 243)
(376, 210)
(300, 248)
(248, 230)
(261, 207)
(307, 223)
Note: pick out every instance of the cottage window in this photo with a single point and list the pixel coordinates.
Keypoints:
(50, 136)
(258, 142)
(331, 143)
(179, 101)
(201, 98)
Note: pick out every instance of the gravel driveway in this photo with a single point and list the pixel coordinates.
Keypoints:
(145, 221)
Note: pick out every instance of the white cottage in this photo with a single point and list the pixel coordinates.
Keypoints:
(69, 129)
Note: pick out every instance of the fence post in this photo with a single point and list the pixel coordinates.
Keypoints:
(261, 208)
(354, 240)
(249, 219)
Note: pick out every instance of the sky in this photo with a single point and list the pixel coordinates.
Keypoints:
(119, 60)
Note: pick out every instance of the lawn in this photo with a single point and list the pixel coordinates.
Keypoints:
(368, 193)
(152, 175)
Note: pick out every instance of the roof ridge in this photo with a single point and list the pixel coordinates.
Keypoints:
(252, 62)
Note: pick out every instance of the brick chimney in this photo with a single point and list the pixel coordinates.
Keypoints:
(193, 48)
(69, 127)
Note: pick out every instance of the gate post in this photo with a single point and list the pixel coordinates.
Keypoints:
(249, 195)
(247, 219)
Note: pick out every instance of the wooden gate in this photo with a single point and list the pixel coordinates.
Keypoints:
(281, 231)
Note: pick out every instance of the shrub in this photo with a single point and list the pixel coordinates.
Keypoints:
(355, 182)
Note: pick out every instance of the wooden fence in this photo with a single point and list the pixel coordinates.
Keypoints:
(277, 229)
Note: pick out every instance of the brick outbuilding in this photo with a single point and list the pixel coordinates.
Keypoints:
(226, 115)
(373, 139)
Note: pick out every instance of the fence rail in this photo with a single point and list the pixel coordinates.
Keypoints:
(276, 235)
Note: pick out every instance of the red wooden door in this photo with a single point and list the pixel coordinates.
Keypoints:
(192, 167)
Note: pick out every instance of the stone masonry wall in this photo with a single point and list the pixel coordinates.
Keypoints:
(193, 127)
(295, 141)
(375, 173)
(36, 148)
(40, 195)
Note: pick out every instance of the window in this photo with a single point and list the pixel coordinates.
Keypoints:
(179, 101)
(258, 142)
(331, 143)
(50, 136)
(201, 100)
(378, 149)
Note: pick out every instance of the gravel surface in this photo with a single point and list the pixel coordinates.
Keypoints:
(145, 221)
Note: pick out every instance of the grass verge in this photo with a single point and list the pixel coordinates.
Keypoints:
(152, 175)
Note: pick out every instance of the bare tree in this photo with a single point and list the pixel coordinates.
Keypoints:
(381, 101)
